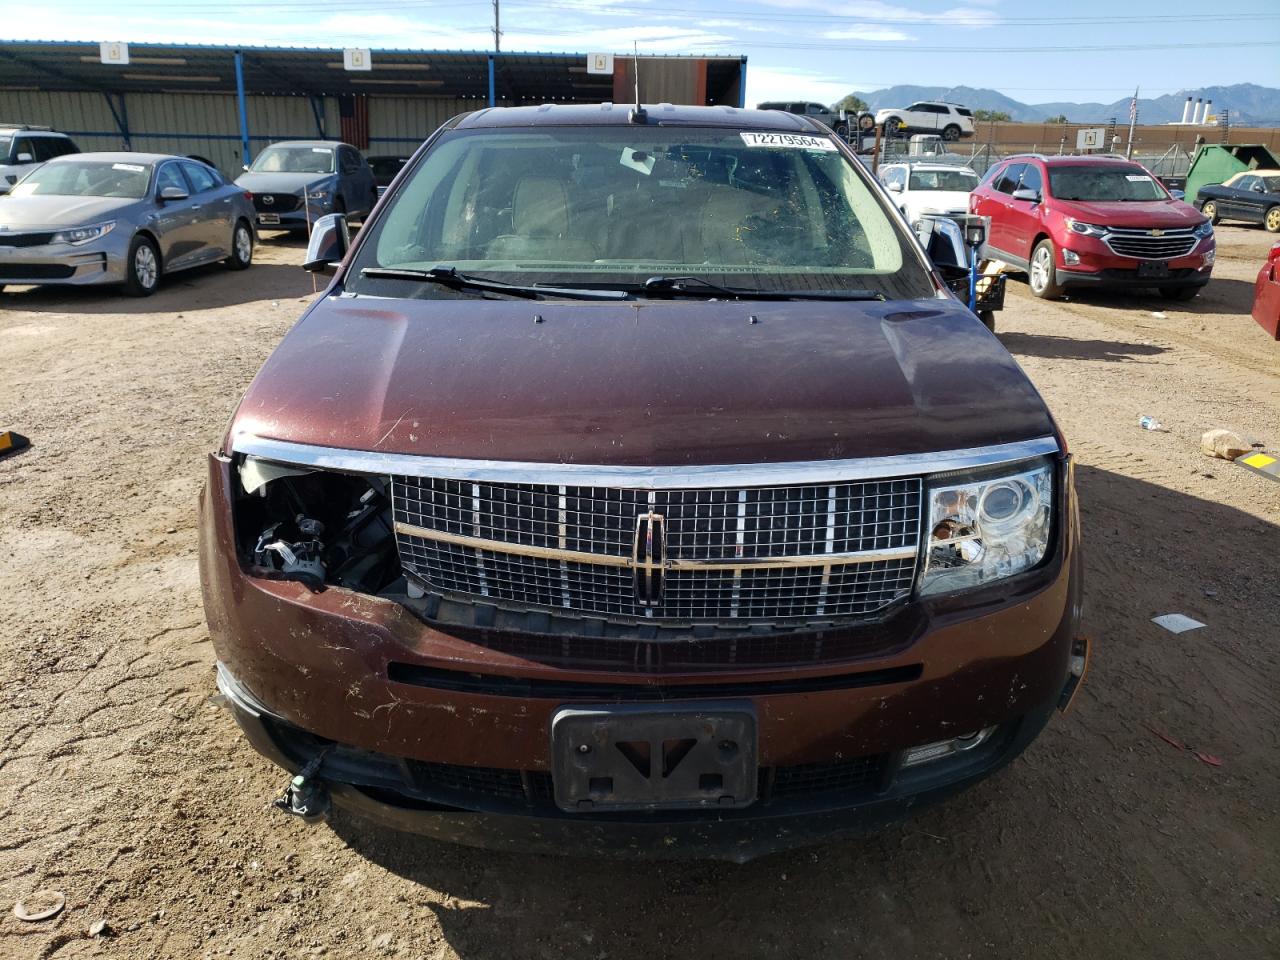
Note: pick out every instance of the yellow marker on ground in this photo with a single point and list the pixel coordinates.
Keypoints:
(1264, 464)
(11, 442)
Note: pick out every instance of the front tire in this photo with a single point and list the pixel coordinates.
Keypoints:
(241, 247)
(866, 122)
(1210, 210)
(1272, 220)
(951, 133)
(142, 272)
(892, 125)
(1042, 275)
(1179, 293)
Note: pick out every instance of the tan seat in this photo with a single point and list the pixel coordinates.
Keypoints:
(540, 225)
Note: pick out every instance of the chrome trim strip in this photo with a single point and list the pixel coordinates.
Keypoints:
(635, 563)
(641, 478)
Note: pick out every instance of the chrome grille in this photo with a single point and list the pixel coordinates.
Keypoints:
(1143, 246)
(749, 554)
(276, 202)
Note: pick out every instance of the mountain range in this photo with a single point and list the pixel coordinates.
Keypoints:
(1250, 104)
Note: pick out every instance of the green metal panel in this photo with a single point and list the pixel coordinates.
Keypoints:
(1214, 163)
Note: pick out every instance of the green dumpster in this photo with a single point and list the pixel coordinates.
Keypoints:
(1214, 163)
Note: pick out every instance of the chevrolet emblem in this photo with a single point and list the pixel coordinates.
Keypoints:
(1157, 232)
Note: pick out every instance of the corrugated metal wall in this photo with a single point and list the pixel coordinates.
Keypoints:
(397, 125)
(183, 123)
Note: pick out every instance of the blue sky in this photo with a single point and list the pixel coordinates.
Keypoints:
(802, 49)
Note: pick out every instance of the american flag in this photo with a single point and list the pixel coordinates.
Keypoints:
(353, 111)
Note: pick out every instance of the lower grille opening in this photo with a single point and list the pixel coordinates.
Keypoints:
(539, 688)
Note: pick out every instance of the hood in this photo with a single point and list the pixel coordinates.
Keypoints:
(641, 384)
(945, 200)
(24, 213)
(1147, 213)
(282, 182)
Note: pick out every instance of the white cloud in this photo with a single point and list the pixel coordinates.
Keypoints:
(886, 34)
(784, 83)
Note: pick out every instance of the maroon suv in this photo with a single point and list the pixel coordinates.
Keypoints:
(637, 485)
(1093, 222)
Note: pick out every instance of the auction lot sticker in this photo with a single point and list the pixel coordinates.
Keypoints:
(793, 141)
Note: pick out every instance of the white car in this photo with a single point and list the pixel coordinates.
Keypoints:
(23, 148)
(950, 120)
(928, 188)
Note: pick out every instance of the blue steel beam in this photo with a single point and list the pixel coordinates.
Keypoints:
(492, 100)
(245, 157)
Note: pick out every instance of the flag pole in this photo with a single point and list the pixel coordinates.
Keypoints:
(1133, 122)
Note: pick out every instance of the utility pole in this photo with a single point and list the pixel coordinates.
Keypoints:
(1133, 122)
(497, 28)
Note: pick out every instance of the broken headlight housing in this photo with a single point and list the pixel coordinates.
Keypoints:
(987, 528)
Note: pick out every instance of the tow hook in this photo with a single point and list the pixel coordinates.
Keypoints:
(305, 795)
(1077, 671)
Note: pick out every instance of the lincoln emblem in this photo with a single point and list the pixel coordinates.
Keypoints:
(648, 556)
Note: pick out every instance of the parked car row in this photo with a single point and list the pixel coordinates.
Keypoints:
(128, 219)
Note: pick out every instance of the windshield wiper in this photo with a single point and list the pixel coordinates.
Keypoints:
(697, 287)
(450, 277)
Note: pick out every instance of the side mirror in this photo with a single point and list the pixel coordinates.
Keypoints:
(329, 243)
(169, 194)
(26, 158)
(1258, 188)
(895, 187)
(244, 167)
(943, 242)
(1031, 196)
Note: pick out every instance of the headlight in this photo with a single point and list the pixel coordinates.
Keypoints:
(1088, 229)
(322, 195)
(1204, 230)
(83, 234)
(986, 529)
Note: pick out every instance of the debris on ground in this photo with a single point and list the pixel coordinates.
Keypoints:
(1224, 444)
(1151, 423)
(99, 928)
(11, 442)
(40, 905)
(1262, 463)
(1176, 622)
(1206, 758)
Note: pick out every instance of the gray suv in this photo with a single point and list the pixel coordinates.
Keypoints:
(842, 125)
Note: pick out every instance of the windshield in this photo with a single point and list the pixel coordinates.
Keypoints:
(618, 205)
(86, 178)
(1104, 183)
(961, 181)
(294, 160)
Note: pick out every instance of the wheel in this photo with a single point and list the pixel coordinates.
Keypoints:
(241, 247)
(951, 132)
(1179, 293)
(1041, 275)
(1210, 210)
(988, 318)
(891, 125)
(1272, 220)
(842, 131)
(142, 272)
(866, 122)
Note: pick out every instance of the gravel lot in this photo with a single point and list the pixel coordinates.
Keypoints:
(121, 786)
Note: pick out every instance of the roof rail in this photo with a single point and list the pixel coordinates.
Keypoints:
(1023, 156)
(22, 126)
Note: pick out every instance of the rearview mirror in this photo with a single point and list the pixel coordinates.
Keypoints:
(169, 194)
(329, 243)
(1024, 193)
(26, 158)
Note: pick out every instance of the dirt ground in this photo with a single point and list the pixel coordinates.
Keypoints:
(121, 786)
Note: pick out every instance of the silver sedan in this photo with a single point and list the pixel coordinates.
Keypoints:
(121, 218)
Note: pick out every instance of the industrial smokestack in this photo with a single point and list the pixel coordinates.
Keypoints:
(1186, 111)
(1198, 117)
(1208, 109)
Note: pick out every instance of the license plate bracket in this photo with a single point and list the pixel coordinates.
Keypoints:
(268, 218)
(654, 757)
(1154, 270)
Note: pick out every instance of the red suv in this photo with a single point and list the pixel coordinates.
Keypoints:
(1093, 221)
